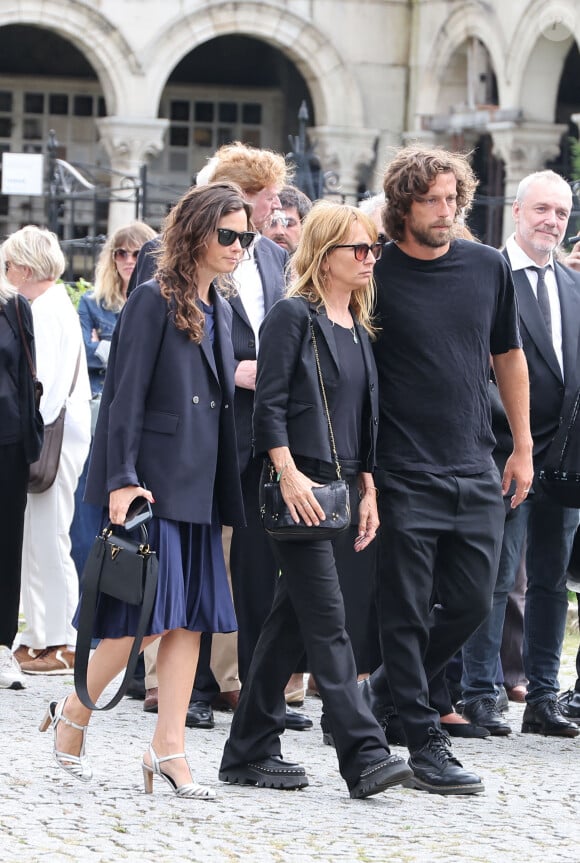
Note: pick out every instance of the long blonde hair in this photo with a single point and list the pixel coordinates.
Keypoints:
(329, 225)
(108, 283)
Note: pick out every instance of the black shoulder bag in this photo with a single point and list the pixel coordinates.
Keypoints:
(333, 497)
(125, 569)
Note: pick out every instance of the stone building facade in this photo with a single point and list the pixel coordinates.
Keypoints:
(162, 83)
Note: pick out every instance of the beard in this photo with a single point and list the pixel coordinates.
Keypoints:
(430, 237)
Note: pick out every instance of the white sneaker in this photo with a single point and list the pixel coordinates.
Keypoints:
(10, 675)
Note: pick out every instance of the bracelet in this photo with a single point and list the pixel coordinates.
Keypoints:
(282, 469)
(368, 488)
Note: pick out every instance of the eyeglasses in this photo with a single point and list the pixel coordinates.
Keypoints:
(361, 250)
(123, 254)
(227, 237)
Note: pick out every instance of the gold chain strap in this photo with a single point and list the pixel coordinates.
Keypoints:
(323, 391)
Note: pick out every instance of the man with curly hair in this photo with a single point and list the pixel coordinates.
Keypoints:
(444, 306)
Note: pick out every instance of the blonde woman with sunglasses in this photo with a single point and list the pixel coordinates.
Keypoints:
(99, 308)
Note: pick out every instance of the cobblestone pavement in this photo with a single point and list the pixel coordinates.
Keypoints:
(529, 812)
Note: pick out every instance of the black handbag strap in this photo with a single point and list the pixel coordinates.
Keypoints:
(324, 399)
(85, 635)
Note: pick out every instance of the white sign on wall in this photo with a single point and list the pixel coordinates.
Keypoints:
(22, 173)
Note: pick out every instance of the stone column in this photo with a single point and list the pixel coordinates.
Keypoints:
(129, 143)
(348, 151)
(523, 148)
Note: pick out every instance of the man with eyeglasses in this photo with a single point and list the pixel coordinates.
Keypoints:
(285, 225)
(444, 305)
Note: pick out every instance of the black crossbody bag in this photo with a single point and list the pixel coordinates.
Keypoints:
(334, 497)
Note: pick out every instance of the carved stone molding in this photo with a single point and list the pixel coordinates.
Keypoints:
(130, 142)
(349, 152)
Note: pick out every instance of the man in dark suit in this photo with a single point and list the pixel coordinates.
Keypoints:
(549, 308)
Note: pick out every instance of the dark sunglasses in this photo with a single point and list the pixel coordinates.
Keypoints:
(123, 254)
(361, 250)
(226, 237)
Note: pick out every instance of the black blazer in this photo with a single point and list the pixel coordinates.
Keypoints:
(549, 393)
(166, 415)
(271, 261)
(30, 418)
(289, 410)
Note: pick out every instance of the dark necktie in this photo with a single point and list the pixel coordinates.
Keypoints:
(543, 300)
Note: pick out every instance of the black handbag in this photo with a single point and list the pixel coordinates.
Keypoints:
(125, 569)
(559, 478)
(334, 497)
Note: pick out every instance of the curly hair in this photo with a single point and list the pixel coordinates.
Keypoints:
(251, 168)
(109, 291)
(412, 172)
(186, 232)
(329, 225)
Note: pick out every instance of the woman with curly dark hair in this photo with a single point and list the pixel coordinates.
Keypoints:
(166, 432)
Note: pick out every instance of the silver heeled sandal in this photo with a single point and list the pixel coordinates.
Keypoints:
(189, 790)
(77, 765)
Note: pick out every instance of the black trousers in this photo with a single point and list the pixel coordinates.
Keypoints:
(254, 570)
(13, 486)
(440, 540)
(308, 610)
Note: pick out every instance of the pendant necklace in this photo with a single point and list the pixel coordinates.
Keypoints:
(351, 330)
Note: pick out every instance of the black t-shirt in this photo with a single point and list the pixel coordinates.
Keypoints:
(346, 408)
(440, 320)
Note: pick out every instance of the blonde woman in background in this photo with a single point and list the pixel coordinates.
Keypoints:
(98, 313)
(34, 261)
(99, 308)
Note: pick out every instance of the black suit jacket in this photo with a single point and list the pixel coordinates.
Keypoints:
(166, 415)
(549, 392)
(289, 410)
(271, 261)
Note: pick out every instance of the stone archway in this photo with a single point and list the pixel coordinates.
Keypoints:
(107, 51)
(343, 137)
(332, 87)
(544, 39)
(466, 22)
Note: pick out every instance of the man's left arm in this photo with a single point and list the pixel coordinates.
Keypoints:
(511, 374)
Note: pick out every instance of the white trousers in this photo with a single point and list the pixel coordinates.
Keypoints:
(50, 585)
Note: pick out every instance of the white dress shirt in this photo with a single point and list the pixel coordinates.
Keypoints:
(521, 261)
(250, 289)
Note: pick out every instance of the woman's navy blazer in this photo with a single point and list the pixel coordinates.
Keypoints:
(288, 407)
(166, 417)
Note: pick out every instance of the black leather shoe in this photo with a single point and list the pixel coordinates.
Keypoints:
(483, 712)
(380, 775)
(296, 721)
(435, 769)
(199, 715)
(271, 772)
(545, 717)
(569, 703)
